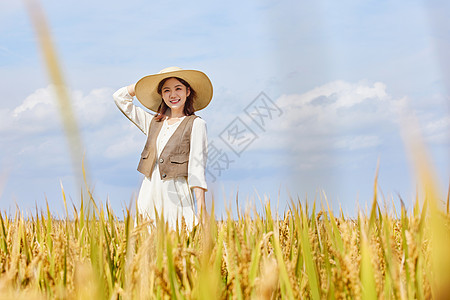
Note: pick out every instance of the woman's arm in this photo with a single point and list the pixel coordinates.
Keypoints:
(201, 204)
(124, 101)
(198, 155)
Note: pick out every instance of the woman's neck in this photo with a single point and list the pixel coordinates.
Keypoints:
(175, 114)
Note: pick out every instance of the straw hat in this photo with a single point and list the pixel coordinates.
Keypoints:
(147, 87)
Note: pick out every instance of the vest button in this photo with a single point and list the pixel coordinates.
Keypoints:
(164, 175)
(161, 160)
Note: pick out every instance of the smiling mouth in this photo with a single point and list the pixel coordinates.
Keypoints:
(175, 101)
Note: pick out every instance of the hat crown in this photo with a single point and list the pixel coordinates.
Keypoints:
(169, 69)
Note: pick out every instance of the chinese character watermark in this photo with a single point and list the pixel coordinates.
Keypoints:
(261, 109)
(238, 135)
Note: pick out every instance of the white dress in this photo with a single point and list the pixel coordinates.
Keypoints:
(171, 197)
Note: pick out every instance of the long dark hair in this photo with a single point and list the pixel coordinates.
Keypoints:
(188, 105)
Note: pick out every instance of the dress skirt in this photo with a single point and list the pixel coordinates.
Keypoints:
(170, 198)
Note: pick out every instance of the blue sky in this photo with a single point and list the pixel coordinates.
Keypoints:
(340, 74)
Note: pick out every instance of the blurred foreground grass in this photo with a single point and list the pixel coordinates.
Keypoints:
(313, 255)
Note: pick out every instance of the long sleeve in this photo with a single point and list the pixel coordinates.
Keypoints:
(198, 155)
(137, 115)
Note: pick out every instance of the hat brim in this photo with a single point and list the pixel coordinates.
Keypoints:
(147, 88)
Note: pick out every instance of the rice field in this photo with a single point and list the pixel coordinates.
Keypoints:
(308, 253)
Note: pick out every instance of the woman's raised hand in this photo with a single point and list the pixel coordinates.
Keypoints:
(131, 90)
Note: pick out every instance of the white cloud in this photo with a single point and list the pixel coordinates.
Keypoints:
(438, 131)
(317, 127)
(334, 125)
(337, 104)
(337, 115)
(357, 142)
(327, 126)
(125, 146)
(40, 103)
(33, 129)
(94, 108)
(40, 109)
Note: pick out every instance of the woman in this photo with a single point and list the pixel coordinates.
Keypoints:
(174, 157)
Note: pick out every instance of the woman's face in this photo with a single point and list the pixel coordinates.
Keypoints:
(174, 94)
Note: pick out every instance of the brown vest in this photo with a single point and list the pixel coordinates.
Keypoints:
(174, 158)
